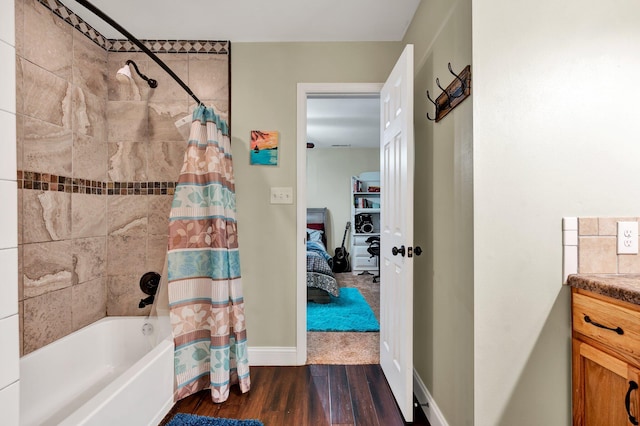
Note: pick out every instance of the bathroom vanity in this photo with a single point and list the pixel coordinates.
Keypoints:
(605, 312)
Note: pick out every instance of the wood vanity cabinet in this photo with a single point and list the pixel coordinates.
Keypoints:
(606, 360)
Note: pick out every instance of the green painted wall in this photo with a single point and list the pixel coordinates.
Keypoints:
(263, 93)
(443, 214)
(329, 173)
(553, 136)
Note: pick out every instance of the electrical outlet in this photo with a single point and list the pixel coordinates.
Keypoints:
(627, 237)
(282, 195)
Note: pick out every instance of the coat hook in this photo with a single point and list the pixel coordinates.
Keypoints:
(445, 92)
(434, 103)
(463, 84)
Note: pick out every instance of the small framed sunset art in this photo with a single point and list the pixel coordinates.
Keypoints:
(264, 148)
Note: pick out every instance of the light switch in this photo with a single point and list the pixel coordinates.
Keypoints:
(282, 195)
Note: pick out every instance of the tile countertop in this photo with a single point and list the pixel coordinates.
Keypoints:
(624, 287)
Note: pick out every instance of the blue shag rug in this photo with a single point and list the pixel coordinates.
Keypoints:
(349, 312)
(182, 419)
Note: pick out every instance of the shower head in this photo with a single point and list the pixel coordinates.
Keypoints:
(124, 74)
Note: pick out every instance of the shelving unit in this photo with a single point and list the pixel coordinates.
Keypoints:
(365, 220)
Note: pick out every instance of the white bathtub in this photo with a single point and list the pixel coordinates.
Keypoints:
(107, 373)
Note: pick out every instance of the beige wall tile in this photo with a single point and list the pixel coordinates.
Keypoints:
(588, 226)
(46, 319)
(19, 26)
(90, 257)
(20, 273)
(89, 114)
(609, 225)
(127, 121)
(168, 89)
(165, 161)
(127, 161)
(89, 158)
(19, 141)
(47, 267)
(47, 147)
(159, 209)
(126, 255)
(597, 255)
(162, 118)
(156, 252)
(127, 215)
(19, 86)
(20, 216)
(629, 264)
(46, 216)
(208, 76)
(89, 66)
(124, 295)
(89, 215)
(53, 52)
(88, 302)
(45, 95)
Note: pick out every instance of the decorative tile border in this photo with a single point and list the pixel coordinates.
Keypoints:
(172, 46)
(51, 182)
(216, 47)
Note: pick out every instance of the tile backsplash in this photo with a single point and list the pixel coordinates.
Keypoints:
(590, 247)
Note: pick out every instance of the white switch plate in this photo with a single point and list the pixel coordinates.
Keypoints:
(627, 237)
(282, 195)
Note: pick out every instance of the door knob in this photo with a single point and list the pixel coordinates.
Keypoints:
(417, 251)
(396, 250)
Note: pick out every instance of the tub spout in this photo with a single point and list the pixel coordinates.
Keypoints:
(145, 302)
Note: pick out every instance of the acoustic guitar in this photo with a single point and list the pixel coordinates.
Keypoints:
(341, 256)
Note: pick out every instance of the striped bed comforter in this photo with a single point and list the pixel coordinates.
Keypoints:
(319, 273)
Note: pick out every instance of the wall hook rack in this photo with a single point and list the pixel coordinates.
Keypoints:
(456, 92)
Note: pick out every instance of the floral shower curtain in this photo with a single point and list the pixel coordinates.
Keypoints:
(205, 289)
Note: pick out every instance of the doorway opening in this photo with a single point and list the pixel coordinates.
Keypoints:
(334, 145)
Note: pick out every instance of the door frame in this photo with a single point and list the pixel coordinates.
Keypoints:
(304, 90)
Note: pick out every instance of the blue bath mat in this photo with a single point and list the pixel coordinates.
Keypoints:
(349, 312)
(182, 419)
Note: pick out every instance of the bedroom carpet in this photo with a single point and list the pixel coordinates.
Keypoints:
(348, 348)
(349, 312)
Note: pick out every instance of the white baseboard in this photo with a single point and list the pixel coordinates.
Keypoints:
(427, 403)
(273, 356)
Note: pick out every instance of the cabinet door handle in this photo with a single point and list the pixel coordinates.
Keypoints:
(590, 321)
(627, 401)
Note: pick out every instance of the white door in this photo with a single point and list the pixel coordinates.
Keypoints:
(396, 270)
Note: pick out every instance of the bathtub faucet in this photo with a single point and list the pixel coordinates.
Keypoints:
(149, 285)
(145, 302)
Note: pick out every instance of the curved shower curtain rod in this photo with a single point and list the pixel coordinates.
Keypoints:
(138, 43)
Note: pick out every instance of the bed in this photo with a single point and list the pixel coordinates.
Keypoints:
(321, 282)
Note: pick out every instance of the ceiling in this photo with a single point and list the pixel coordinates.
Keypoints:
(349, 121)
(254, 20)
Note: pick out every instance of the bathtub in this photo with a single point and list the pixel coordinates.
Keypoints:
(107, 373)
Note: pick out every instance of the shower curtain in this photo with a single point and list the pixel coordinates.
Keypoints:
(205, 289)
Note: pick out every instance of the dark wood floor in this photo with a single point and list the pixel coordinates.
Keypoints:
(308, 395)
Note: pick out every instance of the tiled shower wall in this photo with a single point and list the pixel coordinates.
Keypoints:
(97, 162)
